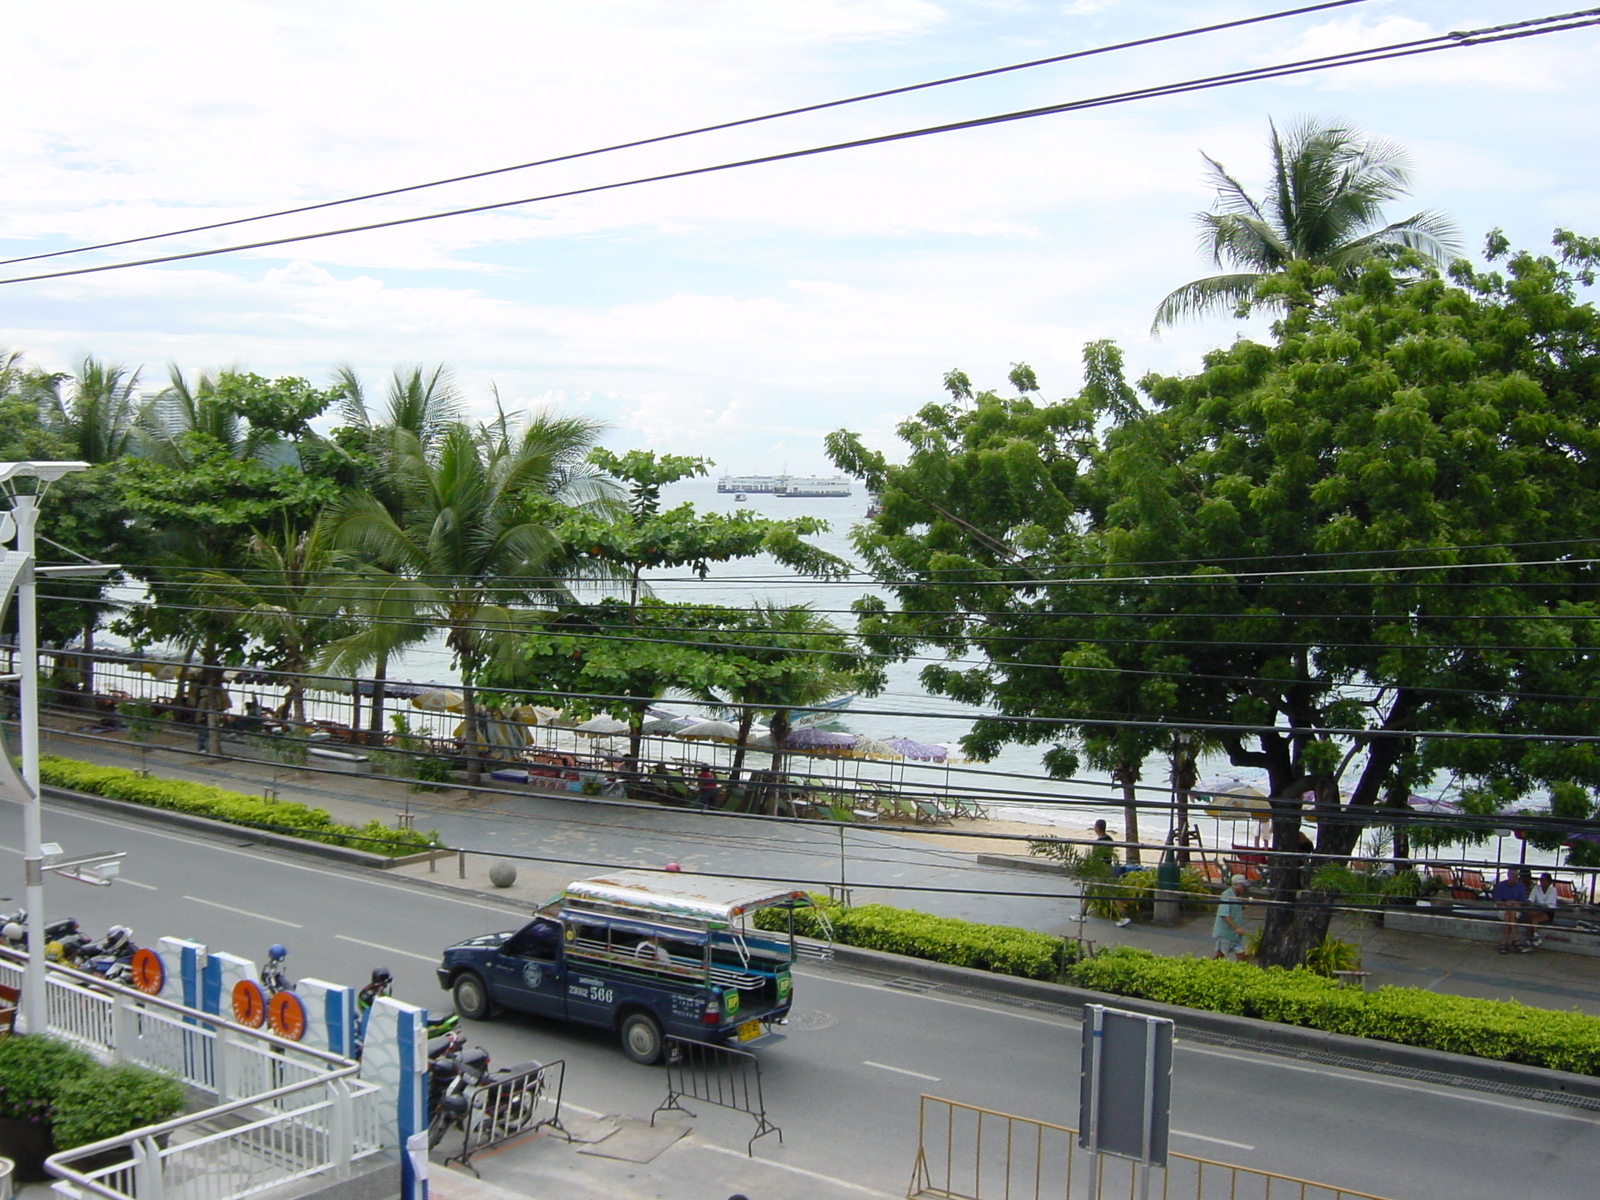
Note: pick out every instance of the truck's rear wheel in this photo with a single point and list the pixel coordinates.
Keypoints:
(641, 1038)
(471, 997)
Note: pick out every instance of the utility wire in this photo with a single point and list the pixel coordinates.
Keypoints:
(704, 129)
(1397, 50)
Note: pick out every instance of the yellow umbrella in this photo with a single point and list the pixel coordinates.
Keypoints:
(1237, 802)
(439, 700)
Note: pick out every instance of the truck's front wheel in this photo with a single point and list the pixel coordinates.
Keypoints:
(471, 997)
(641, 1038)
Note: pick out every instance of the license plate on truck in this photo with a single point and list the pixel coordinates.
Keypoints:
(749, 1031)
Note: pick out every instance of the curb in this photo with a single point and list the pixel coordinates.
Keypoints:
(225, 829)
(1246, 1029)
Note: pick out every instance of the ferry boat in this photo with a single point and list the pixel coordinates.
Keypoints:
(796, 486)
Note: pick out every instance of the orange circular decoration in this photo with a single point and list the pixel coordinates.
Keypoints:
(286, 1016)
(149, 972)
(249, 1005)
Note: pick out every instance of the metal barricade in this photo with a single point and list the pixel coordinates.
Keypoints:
(520, 1100)
(719, 1075)
(970, 1153)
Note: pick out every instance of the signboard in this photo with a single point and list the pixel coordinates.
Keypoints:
(1124, 1092)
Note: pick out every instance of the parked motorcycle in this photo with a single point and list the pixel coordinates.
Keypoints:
(450, 1075)
(274, 978)
(112, 956)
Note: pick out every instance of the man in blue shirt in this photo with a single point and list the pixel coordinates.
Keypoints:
(1510, 897)
(1226, 931)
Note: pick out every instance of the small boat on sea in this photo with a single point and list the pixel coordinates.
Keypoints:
(740, 498)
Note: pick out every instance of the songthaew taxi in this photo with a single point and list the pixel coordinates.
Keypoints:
(646, 954)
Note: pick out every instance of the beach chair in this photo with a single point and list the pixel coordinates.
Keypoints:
(1565, 892)
(929, 812)
(1473, 882)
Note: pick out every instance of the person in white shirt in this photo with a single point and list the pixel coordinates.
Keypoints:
(1543, 901)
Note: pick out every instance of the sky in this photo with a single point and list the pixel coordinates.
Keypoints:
(741, 315)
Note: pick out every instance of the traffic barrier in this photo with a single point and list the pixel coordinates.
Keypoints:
(182, 962)
(330, 1015)
(717, 1075)
(969, 1153)
(522, 1100)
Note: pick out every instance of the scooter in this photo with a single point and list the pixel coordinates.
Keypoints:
(112, 957)
(449, 1077)
(274, 978)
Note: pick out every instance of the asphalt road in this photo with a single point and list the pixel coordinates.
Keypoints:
(844, 1086)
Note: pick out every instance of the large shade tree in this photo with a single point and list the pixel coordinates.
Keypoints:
(1323, 205)
(1324, 548)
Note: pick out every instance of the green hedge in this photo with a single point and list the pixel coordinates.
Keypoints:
(997, 948)
(202, 800)
(1495, 1029)
(46, 1080)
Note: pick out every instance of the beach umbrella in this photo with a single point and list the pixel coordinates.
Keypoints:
(666, 724)
(868, 747)
(1427, 804)
(1236, 802)
(439, 700)
(533, 714)
(603, 725)
(760, 739)
(921, 751)
(709, 731)
(820, 741)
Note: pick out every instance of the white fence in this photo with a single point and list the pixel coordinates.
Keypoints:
(283, 1111)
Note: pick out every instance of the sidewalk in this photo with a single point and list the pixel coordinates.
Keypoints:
(1443, 964)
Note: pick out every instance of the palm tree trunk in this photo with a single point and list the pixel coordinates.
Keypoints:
(469, 716)
(380, 673)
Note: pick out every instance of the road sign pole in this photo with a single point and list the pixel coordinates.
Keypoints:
(1149, 1109)
(1097, 1016)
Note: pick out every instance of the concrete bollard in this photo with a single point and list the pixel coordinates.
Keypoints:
(503, 874)
(1168, 904)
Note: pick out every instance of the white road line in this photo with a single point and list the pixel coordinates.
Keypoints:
(793, 1170)
(995, 1010)
(1356, 1076)
(502, 909)
(900, 1071)
(245, 912)
(430, 958)
(149, 887)
(1200, 1137)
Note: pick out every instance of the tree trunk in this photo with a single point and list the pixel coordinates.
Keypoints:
(1298, 918)
(1184, 776)
(747, 718)
(88, 658)
(380, 673)
(1130, 815)
(1294, 926)
(469, 743)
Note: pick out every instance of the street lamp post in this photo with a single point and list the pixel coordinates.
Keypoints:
(25, 512)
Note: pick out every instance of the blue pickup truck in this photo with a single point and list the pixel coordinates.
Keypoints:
(646, 954)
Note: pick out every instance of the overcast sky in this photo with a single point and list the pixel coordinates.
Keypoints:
(741, 315)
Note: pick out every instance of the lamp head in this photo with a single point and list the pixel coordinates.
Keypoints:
(45, 472)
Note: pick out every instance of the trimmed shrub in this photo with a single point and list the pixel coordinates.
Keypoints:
(32, 1070)
(997, 948)
(112, 1100)
(1495, 1029)
(199, 799)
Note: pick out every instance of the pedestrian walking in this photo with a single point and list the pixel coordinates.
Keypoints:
(1226, 930)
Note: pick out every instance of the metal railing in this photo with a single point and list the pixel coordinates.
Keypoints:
(969, 1153)
(517, 1101)
(285, 1111)
(719, 1075)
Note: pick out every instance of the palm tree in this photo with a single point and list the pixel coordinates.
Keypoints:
(424, 406)
(99, 416)
(474, 542)
(1323, 206)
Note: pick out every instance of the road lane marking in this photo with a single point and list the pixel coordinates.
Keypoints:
(428, 958)
(149, 887)
(996, 1010)
(742, 1156)
(900, 1070)
(503, 909)
(245, 912)
(1200, 1137)
(1353, 1075)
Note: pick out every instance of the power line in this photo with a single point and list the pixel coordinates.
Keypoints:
(704, 129)
(1451, 41)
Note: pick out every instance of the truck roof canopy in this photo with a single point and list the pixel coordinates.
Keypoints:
(680, 896)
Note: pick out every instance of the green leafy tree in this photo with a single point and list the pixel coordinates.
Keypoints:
(1323, 206)
(1379, 523)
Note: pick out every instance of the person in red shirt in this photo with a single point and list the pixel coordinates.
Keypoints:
(706, 795)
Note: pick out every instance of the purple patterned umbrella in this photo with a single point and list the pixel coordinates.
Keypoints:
(819, 741)
(922, 751)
